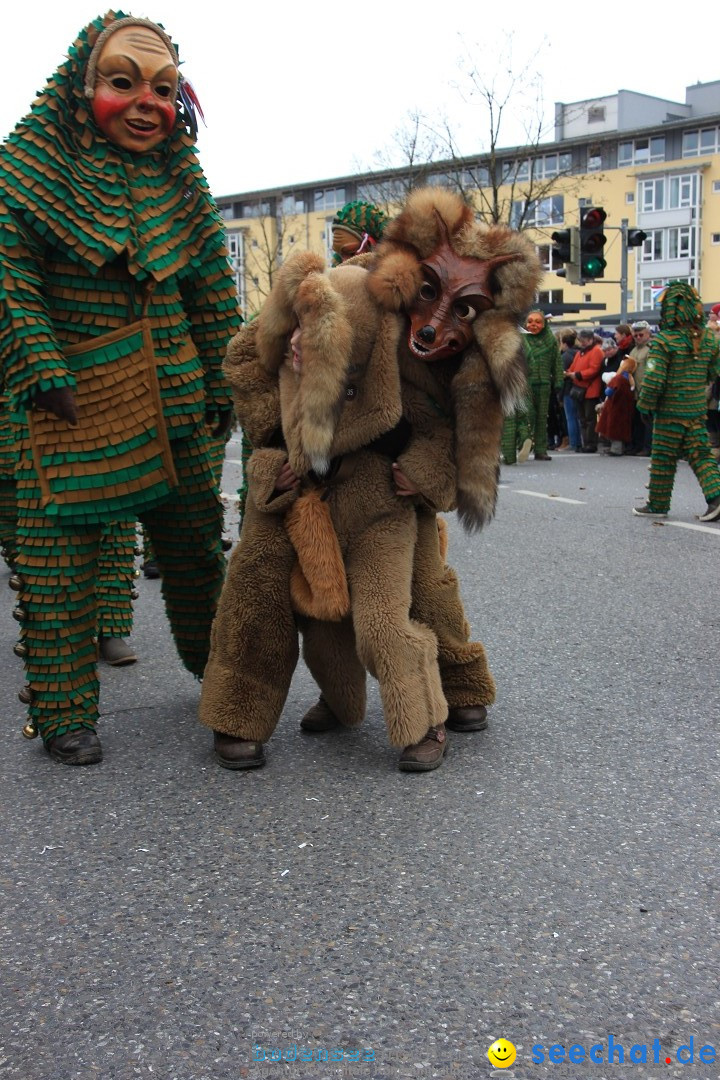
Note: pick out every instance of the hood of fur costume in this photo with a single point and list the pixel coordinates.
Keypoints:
(488, 379)
(412, 237)
(348, 391)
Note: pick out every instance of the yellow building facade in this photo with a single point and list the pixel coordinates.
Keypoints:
(651, 164)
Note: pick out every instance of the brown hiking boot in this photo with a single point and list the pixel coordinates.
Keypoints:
(319, 719)
(234, 753)
(426, 755)
(467, 718)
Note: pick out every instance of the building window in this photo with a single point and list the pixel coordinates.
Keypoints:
(293, 204)
(475, 177)
(549, 259)
(541, 213)
(551, 296)
(715, 238)
(629, 197)
(330, 199)
(256, 209)
(594, 161)
(652, 247)
(671, 193)
(596, 114)
(652, 195)
(641, 151)
(700, 142)
(681, 243)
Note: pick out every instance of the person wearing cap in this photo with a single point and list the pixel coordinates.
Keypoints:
(641, 425)
(684, 357)
(585, 372)
(356, 228)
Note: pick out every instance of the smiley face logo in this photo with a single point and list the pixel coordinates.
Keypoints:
(501, 1054)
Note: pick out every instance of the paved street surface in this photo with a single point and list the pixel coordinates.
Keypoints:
(555, 883)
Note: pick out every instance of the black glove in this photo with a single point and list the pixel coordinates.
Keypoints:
(221, 418)
(60, 402)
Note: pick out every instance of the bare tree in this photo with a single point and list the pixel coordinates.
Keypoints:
(508, 185)
(270, 236)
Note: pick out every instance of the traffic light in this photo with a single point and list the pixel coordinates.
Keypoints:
(636, 237)
(566, 250)
(592, 242)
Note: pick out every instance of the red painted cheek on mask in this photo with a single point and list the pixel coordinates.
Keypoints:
(106, 107)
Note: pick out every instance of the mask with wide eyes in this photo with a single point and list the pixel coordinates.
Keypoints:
(454, 291)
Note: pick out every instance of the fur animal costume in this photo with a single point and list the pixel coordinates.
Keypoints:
(254, 643)
(90, 232)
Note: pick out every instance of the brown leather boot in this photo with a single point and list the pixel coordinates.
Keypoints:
(319, 719)
(426, 755)
(234, 753)
(467, 718)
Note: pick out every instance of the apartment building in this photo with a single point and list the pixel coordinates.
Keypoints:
(649, 162)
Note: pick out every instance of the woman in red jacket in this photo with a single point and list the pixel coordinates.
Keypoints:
(585, 371)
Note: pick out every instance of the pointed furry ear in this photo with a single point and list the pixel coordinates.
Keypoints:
(277, 319)
(395, 279)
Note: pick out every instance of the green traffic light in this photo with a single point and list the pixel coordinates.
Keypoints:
(592, 268)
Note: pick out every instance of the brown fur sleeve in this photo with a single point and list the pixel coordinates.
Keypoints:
(479, 421)
(428, 460)
(262, 470)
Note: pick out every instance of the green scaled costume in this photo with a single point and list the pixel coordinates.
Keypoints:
(684, 357)
(90, 235)
(545, 374)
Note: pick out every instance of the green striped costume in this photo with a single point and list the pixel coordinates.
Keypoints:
(87, 232)
(684, 357)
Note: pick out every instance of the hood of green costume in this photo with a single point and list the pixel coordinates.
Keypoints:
(538, 345)
(79, 192)
(681, 306)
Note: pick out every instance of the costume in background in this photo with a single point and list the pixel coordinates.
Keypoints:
(367, 382)
(545, 375)
(93, 235)
(684, 357)
(356, 229)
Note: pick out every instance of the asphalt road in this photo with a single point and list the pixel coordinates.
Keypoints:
(554, 884)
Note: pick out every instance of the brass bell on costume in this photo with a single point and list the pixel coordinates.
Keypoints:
(19, 613)
(30, 730)
(20, 649)
(26, 695)
(16, 582)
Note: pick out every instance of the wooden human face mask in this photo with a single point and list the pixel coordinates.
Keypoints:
(454, 291)
(134, 103)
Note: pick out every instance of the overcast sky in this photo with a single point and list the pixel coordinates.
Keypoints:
(295, 93)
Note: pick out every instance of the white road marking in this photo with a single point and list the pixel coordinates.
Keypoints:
(695, 528)
(554, 498)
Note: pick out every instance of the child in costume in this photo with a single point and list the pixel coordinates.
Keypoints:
(106, 217)
(684, 357)
(440, 272)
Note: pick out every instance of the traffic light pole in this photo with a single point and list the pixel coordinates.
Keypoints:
(624, 270)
